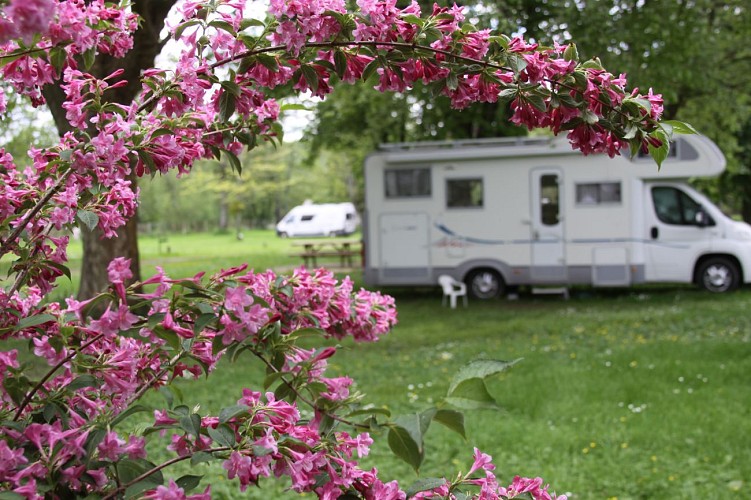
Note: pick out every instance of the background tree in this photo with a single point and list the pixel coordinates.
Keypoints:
(272, 181)
(147, 43)
(655, 43)
(22, 126)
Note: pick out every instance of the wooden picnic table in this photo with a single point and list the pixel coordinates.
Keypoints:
(312, 250)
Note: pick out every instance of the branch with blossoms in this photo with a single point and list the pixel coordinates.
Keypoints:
(61, 434)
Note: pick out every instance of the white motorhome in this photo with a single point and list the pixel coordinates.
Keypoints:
(532, 211)
(325, 219)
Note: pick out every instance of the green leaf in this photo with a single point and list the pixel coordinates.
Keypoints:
(89, 219)
(232, 88)
(452, 82)
(370, 69)
(571, 54)
(10, 495)
(234, 161)
(517, 63)
(471, 394)
(58, 56)
(424, 484)
(643, 104)
(168, 336)
(31, 321)
(659, 154)
(191, 424)
(680, 127)
(88, 58)
(188, 482)
(413, 19)
(202, 322)
(147, 160)
(451, 419)
(261, 451)
(94, 438)
(370, 411)
(223, 25)
(130, 411)
(537, 101)
(223, 435)
(340, 63)
(128, 470)
(183, 26)
(226, 414)
(160, 132)
(63, 269)
(53, 411)
(83, 381)
(404, 446)
(250, 22)
(480, 368)
(270, 62)
(227, 103)
(310, 75)
(201, 457)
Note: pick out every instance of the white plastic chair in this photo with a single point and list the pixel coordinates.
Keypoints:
(452, 289)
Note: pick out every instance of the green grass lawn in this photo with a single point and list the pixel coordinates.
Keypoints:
(629, 394)
(184, 255)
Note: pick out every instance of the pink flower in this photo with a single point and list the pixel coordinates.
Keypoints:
(10, 460)
(31, 16)
(170, 492)
(111, 447)
(119, 272)
(482, 461)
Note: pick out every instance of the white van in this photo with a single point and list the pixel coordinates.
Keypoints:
(325, 219)
(531, 211)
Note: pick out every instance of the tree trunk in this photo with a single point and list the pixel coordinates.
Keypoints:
(97, 251)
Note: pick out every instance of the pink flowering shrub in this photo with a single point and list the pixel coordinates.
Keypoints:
(61, 434)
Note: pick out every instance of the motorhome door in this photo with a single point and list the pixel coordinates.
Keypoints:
(548, 262)
(675, 239)
(404, 249)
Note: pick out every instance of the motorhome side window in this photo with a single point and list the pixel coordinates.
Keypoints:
(464, 193)
(549, 199)
(673, 206)
(598, 193)
(407, 182)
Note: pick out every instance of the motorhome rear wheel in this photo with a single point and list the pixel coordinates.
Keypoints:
(485, 284)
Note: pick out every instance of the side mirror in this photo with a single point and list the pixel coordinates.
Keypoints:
(702, 218)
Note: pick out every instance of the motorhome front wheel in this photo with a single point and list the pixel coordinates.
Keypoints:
(485, 284)
(719, 275)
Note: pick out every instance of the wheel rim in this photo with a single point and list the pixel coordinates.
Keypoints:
(485, 285)
(718, 278)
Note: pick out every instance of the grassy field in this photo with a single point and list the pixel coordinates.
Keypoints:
(629, 394)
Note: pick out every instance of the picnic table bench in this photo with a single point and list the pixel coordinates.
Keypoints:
(312, 250)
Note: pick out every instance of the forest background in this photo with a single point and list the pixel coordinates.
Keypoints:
(661, 44)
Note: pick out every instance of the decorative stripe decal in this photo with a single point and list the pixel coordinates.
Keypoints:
(480, 241)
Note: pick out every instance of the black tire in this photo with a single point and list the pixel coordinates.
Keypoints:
(283, 235)
(485, 284)
(718, 275)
